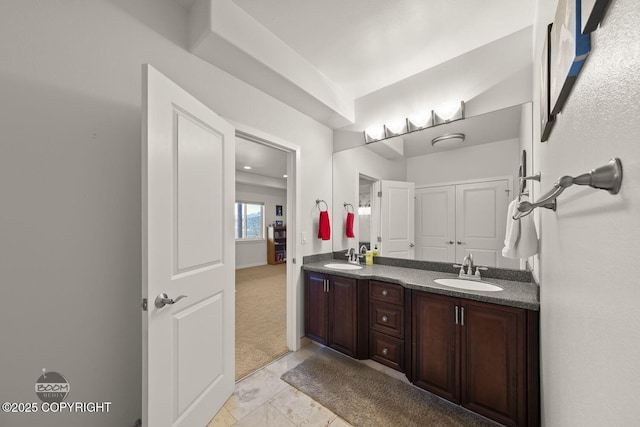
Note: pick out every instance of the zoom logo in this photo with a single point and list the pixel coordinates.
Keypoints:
(52, 387)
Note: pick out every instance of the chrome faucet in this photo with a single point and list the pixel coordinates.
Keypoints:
(363, 253)
(352, 256)
(468, 274)
(468, 262)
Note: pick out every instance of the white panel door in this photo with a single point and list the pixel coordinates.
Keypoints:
(481, 213)
(397, 219)
(436, 223)
(188, 249)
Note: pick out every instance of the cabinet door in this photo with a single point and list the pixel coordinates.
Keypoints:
(494, 362)
(343, 315)
(315, 307)
(435, 344)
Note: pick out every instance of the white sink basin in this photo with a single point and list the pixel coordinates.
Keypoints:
(341, 266)
(468, 284)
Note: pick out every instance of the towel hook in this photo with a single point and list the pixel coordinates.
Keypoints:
(347, 205)
(318, 201)
(607, 177)
(535, 177)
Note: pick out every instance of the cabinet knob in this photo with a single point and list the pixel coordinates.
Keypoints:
(385, 319)
(385, 292)
(385, 351)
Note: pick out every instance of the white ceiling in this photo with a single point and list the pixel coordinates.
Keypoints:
(364, 45)
(264, 160)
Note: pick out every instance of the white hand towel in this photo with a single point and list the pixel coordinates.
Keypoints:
(521, 238)
(512, 232)
(528, 242)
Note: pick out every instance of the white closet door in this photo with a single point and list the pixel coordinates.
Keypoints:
(436, 223)
(397, 220)
(481, 214)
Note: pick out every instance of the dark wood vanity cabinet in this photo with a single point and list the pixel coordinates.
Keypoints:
(387, 324)
(333, 310)
(479, 355)
(482, 356)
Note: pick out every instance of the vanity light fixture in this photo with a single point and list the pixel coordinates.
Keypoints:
(420, 120)
(374, 133)
(448, 140)
(395, 128)
(364, 210)
(445, 114)
(448, 114)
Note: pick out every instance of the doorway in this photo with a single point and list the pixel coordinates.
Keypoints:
(367, 229)
(263, 213)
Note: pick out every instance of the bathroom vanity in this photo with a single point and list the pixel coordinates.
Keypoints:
(478, 349)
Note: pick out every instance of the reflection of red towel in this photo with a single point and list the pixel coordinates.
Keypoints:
(349, 225)
(324, 229)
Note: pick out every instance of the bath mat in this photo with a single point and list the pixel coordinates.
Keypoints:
(365, 397)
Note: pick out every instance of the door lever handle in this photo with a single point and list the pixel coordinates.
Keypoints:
(163, 299)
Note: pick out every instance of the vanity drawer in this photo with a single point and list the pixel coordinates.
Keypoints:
(386, 318)
(387, 350)
(386, 292)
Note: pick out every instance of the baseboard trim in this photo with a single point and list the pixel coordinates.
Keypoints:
(238, 267)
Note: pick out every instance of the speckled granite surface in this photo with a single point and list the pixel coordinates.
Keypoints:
(445, 267)
(514, 293)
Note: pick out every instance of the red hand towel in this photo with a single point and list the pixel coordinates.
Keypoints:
(324, 229)
(349, 225)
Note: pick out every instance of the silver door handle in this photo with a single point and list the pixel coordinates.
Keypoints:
(411, 245)
(450, 242)
(163, 299)
(460, 242)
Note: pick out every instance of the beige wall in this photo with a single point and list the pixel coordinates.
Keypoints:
(70, 228)
(590, 340)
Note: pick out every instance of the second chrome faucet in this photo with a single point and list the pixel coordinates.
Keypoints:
(353, 257)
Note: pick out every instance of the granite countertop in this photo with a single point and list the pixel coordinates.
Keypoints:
(514, 293)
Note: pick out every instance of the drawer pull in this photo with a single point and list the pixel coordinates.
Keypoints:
(385, 292)
(385, 319)
(385, 351)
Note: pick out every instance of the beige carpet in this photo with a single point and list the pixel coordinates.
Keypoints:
(260, 317)
(365, 397)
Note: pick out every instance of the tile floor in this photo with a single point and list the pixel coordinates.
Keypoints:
(263, 399)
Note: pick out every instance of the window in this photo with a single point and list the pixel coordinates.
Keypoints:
(249, 221)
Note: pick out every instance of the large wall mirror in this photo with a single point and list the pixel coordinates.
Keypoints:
(460, 193)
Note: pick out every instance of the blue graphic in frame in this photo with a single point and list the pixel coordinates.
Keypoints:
(569, 49)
